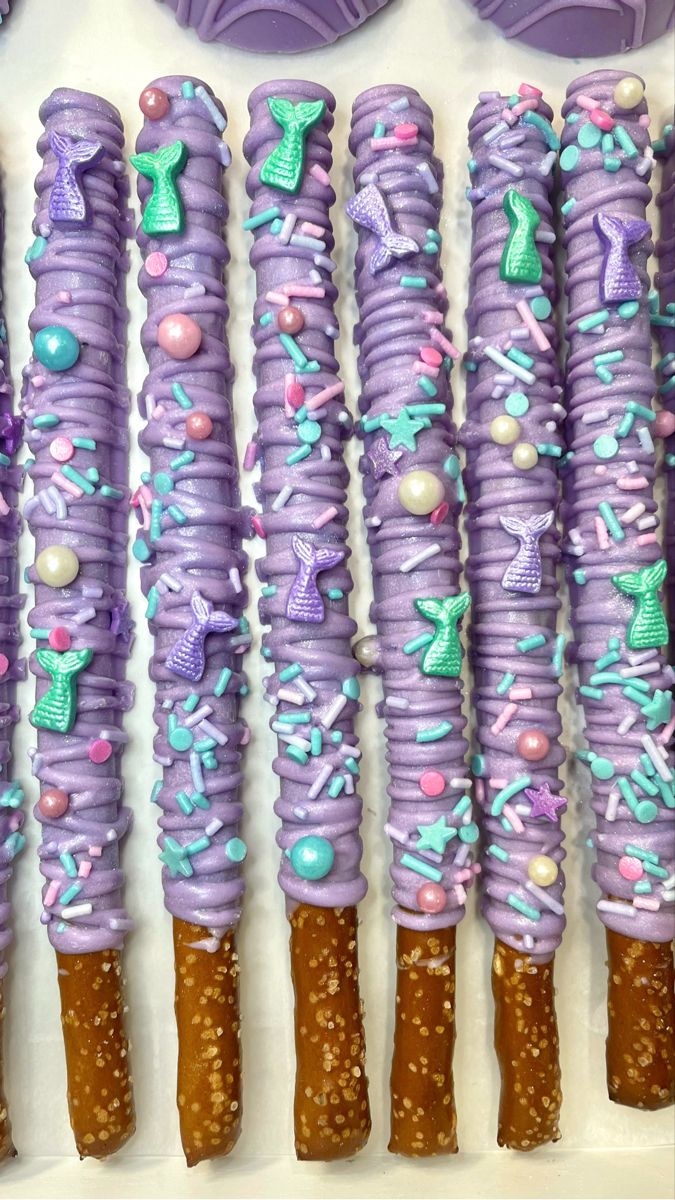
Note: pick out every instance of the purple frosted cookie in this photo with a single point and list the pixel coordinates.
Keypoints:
(313, 685)
(11, 669)
(190, 547)
(664, 324)
(580, 28)
(413, 492)
(615, 561)
(76, 406)
(514, 444)
(282, 26)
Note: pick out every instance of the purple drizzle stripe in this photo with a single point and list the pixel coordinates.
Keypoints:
(79, 271)
(11, 668)
(512, 491)
(305, 599)
(665, 282)
(191, 522)
(615, 560)
(406, 407)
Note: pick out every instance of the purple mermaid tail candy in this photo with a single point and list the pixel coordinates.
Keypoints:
(619, 281)
(523, 573)
(187, 657)
(368, 208)
(67, 200)
(305, 602)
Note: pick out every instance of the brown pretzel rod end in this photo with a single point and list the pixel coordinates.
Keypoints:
(100, 1101)
(6, 1144)
(423, 1115)
(526, 1042)
(209, 1053)
(332, 1114)
(641, 1013)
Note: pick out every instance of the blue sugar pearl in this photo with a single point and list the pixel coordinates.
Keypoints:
(56, 348)
(312, 857)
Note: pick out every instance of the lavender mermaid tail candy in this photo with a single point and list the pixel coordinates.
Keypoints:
(664, 326)
(368, 209)
(188, 656)
(524, 572)
(619, 280)
(611, 522)
(304, 599)
(12, 839)
(80, 503)
(68, 199)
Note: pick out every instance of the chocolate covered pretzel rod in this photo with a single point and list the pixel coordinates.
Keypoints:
(616, 571)
(76, 408)
(190, 547)
(513, 448)
(664, 324)
(413, 490)
(11, 669)
(302, 423)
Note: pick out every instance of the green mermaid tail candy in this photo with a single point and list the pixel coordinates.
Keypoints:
(521, 262)
(443, 656)
(283, 168)
(648, 626)
(57, 708)
(164, 212)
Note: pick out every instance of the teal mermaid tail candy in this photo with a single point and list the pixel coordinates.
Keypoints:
(283, 168)
(648, 626)
(56, 710)
(164, 212)
(443, 656)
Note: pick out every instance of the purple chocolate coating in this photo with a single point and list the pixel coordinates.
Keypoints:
(203, 555)
(626, 708)
(11, 668)
(4, 8)
(580, 28)
(396, 324)
(318, 795)
(665, 282)
(284, 26)
(508, 605)
(80, 285)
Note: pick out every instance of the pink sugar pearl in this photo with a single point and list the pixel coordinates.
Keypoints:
(431, 898)
(179, 336)
(4, 665)
(533, 745)
(99, 750)
(630, 868)
(61, 449)
(664, 425)
(59, 638)
(432, 783)
(199, 426)
(53, 803)
(153, 103)
(156, 264)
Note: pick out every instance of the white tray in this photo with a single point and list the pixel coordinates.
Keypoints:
(116, 47)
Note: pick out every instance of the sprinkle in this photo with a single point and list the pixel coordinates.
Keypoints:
(413, 281)
(421, 868)
(262, 218)
(527, 910)
(434, 734)
(611, 521)
(631, 514)
(180, 395)
(322, 778)
(332, 713)
(538, 336)
(520, 693)
(593, 320)
(68, 863)
(507, 792)
(611, 906)
(286, 231)
(297, 456)
(507, 713)
(625, 141)
(498, 852)
(505, 683)
(325, 517)
(416, 559)
(307, 243)
(661, 767)
(507, 364)
(428, 176)
(531, 643)
(417, 643)
(545, 898)
(505, 164)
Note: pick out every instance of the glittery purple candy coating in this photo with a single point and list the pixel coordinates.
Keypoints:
(665, 281)
(281, 26)
(583, 28)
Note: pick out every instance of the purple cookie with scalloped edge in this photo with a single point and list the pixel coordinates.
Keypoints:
(581, 28)
(268, 26)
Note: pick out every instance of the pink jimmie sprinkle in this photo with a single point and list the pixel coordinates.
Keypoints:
(95, 851)
(602, 119)
(601, 533)
(99, 750)
(632, 483)
(250, 456)
(513, 819)
(322, 397)
(51, 893)
(4, 506)
(327, 515)
(644, 121)
(85, 869)
(520, 693)
(666, 733)
(432, 317)
(534, 328)
(497, 783)
(67, 485)
(390, 143)
(311, 230)
(504, 717)
(528, 105)
(528, 89)
(258, 526)
(304, 290)
(4, 665)
(646, 539)
(246, 736)
(422, 368)
(647, 902)
(587, 102)
(439, 514)
(156, 264)
(318, 173)
(276, 298)
(445, 344)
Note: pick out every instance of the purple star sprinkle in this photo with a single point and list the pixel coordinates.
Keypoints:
(382, 459)
(544, 802)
